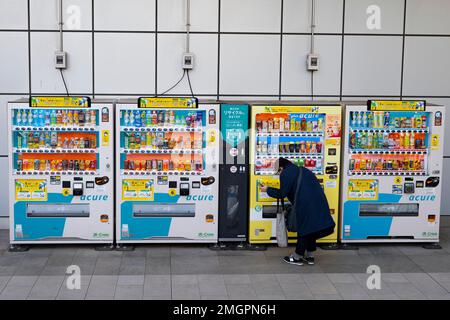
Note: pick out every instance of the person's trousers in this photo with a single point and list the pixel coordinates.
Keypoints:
(308, 242)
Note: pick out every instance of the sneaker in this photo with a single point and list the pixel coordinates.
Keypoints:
(309, 260)
(292, 260)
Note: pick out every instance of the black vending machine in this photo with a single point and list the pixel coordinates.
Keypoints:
(234, 176)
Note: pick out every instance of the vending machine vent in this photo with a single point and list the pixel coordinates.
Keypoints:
(58, 210)
(163, 210)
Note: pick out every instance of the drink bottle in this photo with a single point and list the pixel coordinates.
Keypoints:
(18, 118)
(364, 120)
(358, 119)
(137, 119)
(131, 118)
(386, 119)
(369, 140)
(30, 118)
(24, 118)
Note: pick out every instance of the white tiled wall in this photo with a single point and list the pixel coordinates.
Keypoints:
(372, 65)
(134, 47)
(391, 16)
(45, 78)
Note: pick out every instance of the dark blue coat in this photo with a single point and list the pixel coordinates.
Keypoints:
(311, 205)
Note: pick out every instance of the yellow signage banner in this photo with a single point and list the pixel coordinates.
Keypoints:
(31, 190)
(174, 102)
(292, 109)
(366, 189)
(138, 189)
(60, 102)
(396, 105)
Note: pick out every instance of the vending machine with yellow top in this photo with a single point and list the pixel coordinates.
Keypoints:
(309, 136)
(167, 171)
(61, 171)
(391, 190)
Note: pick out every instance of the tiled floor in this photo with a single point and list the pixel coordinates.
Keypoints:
(195, 272)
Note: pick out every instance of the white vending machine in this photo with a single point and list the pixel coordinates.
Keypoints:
(61, 164)
(393, 154)
(167, 152)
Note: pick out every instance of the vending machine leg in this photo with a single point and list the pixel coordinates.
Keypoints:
(432, 246)
(18, 248)
(218, 246)
(346, 246)
(329, 246)
(256, 247)
(124, 247)
(105, 247)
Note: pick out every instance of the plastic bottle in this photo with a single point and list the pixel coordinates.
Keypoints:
(18, 118)
(24, 118)
(126, 118)
(30, 118)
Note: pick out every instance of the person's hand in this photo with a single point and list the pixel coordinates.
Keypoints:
(262, 187)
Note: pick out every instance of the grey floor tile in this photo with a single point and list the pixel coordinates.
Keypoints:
(102, 286)
(341, 278)
(46, 287)
(69, 293)
(126, 280)
(132, 270)
(426, 284)
(158, 265)
(406, 291)
(185, 292)
(212, 285)
(289, 278)
(241, 292)
(214, 297)
(158, 251)
(392, 263)
(296, 291)
(27, 281)
(15, 293)
(271, 296)
(129, 292)
(3, 282)
(351, 291)
(236, 278)
(319, 284)
(54, 271)
(394, 277)
(389, 296)
(327, 297)
(184, 279)
(7, 271)
(25, 270)
(158, 286)
(434, 263)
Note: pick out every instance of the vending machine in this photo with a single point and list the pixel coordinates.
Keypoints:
(61, 170)
(234, 174)
(309, 136)
(167, 171)
(393, 167)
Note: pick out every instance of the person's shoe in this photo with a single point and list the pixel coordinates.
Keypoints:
(292, 260)
(309, 260)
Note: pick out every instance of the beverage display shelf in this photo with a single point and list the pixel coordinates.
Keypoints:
(393, 151)
(290, 134)
(420, 130)
(57, 173)
(54, 151)
(161, 151)
(272, 173)
(386, 173)
(159, 173)
(57, 129)
(290, 156)
(161, 129)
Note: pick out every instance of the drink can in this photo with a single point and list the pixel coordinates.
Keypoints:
(19, 165)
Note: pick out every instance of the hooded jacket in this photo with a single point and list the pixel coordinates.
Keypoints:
(310, 205)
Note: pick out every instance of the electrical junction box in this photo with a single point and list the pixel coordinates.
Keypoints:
(312, 62)
(188, 61)
(60, 60)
